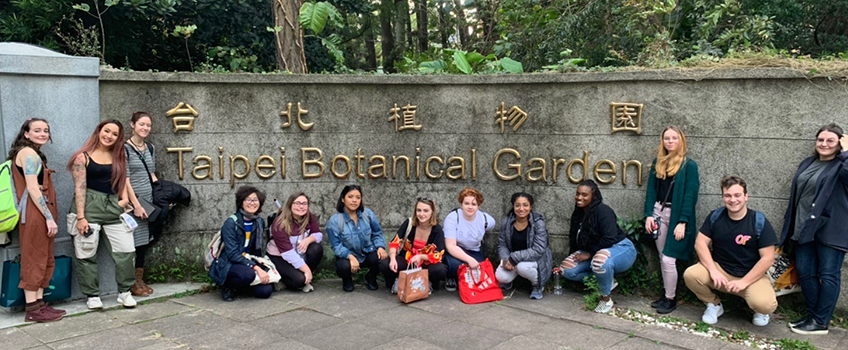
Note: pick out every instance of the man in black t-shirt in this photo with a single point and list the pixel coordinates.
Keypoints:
(742, 251)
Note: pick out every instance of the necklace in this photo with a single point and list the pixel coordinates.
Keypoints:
(141, 147)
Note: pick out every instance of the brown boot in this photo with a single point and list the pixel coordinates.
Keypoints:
(141, 281)
(41, 315)
(137, 288)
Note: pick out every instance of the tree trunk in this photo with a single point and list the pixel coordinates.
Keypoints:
(401, 19)
(444, 28)
(289, 40)
(387, 40)
(370, 47)
(422, 26)
(462, 24)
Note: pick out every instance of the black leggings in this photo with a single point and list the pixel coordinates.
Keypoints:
(140, 255)
(293, 278)
(436, 272)
(371, 262)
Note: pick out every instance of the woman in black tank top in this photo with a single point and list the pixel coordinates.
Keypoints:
(99, 170)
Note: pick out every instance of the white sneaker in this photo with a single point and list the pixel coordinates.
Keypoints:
(395, 287)
(126, 299)
(308, 288)
(604, 306)
(760, 319)
(94, 303)
(712, 313)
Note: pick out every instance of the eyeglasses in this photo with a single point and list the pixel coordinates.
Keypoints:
(424, 199)
(251, 200)
(829, 142)
(300, 204)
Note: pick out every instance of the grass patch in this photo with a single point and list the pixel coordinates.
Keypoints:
(795, 344)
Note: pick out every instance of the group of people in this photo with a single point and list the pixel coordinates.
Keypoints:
(112, 175)
(735, 245)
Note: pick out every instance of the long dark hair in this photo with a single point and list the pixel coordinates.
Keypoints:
(22, 142)
(515, 197)
(586, 216)
(340, 205)
(119, 157)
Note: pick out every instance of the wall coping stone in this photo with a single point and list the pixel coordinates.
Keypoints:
(41, 61)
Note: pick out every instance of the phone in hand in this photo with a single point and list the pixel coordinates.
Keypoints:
(88, 233)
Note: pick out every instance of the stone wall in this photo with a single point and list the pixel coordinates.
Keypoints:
(757, 123)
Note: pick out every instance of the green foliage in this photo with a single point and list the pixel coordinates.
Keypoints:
(795, 344)
(567, 64)
(639, 280)
(462, 62)
(183, 268)
(314, 16)
(701, 326)
(593, 295)
(741, 335)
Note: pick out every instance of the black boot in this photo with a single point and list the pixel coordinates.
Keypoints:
(227, 293)
(371, 280)
(347, 284)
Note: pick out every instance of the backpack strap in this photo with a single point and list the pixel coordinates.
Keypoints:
(406, 236)
(128, 146)
(759, 219)
(485, 219)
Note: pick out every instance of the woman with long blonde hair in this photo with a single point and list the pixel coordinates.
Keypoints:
(670, 203)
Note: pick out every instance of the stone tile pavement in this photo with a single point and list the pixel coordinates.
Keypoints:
(331, 319)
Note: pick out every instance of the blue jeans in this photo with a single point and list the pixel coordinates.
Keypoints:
(621, 257)
(819, 271)
(453, 263)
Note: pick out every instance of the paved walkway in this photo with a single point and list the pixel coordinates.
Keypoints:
(331, 319)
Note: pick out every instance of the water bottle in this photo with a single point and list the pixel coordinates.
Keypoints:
(557, 285)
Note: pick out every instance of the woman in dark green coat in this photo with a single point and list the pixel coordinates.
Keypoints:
(670, 205)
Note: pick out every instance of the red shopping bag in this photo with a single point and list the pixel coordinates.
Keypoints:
(478, 285)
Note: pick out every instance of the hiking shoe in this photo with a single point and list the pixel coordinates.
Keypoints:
(94, 303)
(712, 313)
(42, 314)
(126, 299)
(450, 284)
(799, 322)
(810, 328)
(667, 306)
(760, 319)
(604, 306)
(536, 294)
(656, 303)
(307, 288)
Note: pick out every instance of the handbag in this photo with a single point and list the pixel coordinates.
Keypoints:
(783, 275)
(478, 285)
(59, 288)
(413, 284)
(268, 266)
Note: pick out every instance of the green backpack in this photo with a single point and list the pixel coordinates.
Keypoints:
(10, 209)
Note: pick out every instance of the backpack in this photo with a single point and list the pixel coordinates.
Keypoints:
(759, 219)
(341, 221)
(215, 247)
(10, 208)
(485, 219)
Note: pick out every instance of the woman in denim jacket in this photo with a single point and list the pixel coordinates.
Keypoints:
(356, 238)
(523, 246)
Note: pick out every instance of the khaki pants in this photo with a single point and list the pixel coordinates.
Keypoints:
(759, 295)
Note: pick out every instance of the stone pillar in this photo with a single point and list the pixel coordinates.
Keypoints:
(64, 90)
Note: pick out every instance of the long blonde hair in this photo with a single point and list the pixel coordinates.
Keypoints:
(668, 164)
(285, 217)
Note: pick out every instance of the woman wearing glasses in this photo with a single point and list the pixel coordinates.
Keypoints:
(295, 245)
(356, 238)
(814, 224)
(420, 241)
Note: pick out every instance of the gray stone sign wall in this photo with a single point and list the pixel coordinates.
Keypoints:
(758, 124)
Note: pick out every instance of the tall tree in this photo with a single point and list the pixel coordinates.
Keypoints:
(387, 41)
(289, 36)
(421, 16)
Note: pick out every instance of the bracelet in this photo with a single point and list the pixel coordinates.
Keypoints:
(80, 218)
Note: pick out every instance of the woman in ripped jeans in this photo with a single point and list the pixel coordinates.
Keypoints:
(598, 246)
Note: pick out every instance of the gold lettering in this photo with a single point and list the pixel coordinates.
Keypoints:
(516, 166)
(395, 160)
(531, 169)
(283, 162)
(597, 171)
(557, 163)
(333, 166)
(259, 166)
(460, 167)
(305, 161)
(624, 165)
(221, 162)
(427, 167)
(381, 166)
(584, 162)
(233, 174)
(207, 167)
(179, 151)
(473, 164)
(418, 163)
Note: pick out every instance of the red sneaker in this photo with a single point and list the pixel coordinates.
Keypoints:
(55, 311)
(41, 315)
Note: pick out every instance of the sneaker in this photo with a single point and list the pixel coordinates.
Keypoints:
(614, 284)
(760, 319)
(667, 306)
(41, 315)
(799, 322)
(506, 286)
(450, 284)
(126, 299)
(94, 303)
(395, 287)
(55, 311)
(536, 294)
(307, 288)
(227, 293)
(810, 328)
(604, 306)
(431, 288)
(712, 313)
(656, 303)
